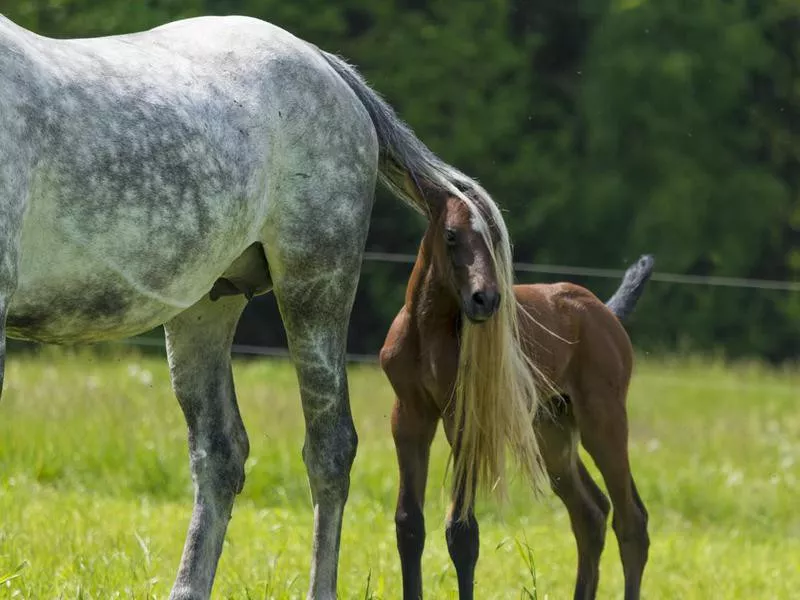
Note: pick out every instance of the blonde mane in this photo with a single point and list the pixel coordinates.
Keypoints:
(496, 395)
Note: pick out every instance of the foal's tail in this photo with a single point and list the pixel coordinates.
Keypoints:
(630, 290)
(495, 394)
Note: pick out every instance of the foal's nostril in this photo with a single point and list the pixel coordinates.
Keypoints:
(479, 298)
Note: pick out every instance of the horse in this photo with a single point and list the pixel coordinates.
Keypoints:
(583, 360)
(167, 176)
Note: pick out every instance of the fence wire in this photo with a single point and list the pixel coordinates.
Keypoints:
(710, 280)
(399, 258)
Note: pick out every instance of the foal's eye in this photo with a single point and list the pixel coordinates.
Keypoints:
(450, 236)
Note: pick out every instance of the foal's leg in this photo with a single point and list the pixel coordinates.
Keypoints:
(603, 425)
(198, 347)
(587, 505)
(463, 544)
(463, 536)
(413, 430)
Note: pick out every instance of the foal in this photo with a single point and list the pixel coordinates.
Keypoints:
(583, 364)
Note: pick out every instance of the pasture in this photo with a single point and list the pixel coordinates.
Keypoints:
(95, 493)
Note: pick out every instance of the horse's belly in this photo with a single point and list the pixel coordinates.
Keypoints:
(75, 288)
(67, 296)
(84, 315)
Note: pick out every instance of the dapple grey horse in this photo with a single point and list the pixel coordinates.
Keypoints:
(165, 177)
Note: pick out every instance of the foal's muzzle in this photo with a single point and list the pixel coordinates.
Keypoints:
(482, 305)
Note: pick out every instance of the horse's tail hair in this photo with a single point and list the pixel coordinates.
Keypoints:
(630, 290)
(406, 165)
(496, 394)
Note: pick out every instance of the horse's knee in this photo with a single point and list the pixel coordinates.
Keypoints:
(463, 540)
(410, 528)
(328, 453)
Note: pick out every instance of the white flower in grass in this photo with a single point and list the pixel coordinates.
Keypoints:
(146, 377)
(734, 476)
(143, 375)
(92, 382)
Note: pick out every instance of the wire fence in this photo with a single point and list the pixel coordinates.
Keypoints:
(666, 380)
(710, 280)
(399, 258)
(240, 349)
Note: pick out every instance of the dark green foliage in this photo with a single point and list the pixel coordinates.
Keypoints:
(606, 129)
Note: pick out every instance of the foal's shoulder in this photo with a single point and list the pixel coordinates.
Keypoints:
(394, 346)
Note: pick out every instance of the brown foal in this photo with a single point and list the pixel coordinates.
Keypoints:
(584, 359)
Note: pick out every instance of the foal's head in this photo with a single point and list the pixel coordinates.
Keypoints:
(494, 392)
(463, 248)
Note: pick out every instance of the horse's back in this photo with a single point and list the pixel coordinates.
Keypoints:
(572, 331)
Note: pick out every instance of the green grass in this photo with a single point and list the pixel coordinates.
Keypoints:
(95, 491)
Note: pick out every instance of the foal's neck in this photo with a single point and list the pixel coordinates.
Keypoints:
(433, 307)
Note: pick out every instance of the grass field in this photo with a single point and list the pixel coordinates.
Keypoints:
(96, 495)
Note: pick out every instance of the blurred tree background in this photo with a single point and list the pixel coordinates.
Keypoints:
(605, 129)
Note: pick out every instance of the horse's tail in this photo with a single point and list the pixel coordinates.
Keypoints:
(406, 165)
(495, 395)
(630, 290)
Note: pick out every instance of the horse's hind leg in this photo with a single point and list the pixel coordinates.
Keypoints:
(587, 505)
(198, 347)
(315, 310)
(603, 427)
(315, 243)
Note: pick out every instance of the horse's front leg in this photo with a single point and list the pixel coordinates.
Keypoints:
(413, 428)
(198, 347)
(8, 282)
(463, 544)
(462, 534)
(13, 197)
